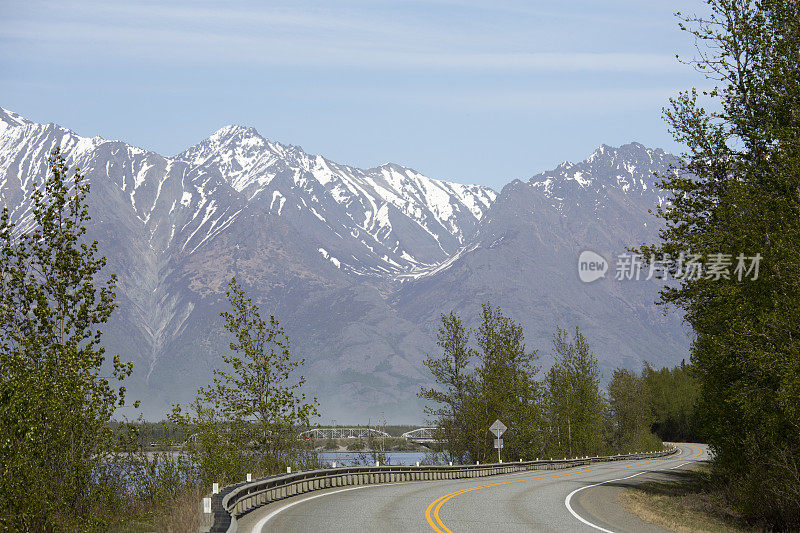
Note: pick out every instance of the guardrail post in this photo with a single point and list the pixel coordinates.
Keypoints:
(206, 517)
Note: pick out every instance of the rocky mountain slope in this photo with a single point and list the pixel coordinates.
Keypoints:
(356, 263)
(524, 258)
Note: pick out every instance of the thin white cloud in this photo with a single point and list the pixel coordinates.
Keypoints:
(314, 34)
(577, 99)
(77, 41)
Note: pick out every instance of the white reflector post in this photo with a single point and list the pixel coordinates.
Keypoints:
(288, 469)
(215, 488)
(249, 477)
(207, 505)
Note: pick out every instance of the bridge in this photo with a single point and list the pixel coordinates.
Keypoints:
(421, 435)
(343, 433)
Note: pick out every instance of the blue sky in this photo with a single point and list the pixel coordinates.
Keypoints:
(466, 90)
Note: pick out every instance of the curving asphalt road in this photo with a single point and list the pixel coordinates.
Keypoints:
(576, 499)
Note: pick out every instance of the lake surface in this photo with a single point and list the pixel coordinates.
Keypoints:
(351, 458)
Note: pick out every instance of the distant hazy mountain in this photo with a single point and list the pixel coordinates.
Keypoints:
(524, 258)
(357, 264)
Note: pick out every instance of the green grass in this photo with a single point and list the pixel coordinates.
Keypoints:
(692, 502)
(135, 526)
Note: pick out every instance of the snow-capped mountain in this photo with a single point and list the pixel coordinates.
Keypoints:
(387, 219)
(382, 220)
(628, 168)
(356, 263)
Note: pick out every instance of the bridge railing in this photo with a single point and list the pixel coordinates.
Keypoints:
(234, 501)
(344, 433)
(420, 433)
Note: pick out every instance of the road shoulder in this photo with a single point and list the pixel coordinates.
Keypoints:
(600, 505)
(684, 502)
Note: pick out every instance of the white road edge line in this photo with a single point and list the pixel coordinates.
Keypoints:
(574, 492)
(680, 465)
(259, 527)
(576, 515)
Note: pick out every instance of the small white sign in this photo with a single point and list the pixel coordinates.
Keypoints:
(498, 443)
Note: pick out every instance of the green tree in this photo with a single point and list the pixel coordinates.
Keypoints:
(55, 401)
(575, 404)
(673, 394)
(454, 398)
(507, 387)
(736, 192)
(477, 385)
(254, 402)
(631, 414)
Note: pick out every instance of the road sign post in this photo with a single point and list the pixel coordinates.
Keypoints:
(498, 428)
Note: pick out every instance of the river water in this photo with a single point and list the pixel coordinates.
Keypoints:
(350, 458)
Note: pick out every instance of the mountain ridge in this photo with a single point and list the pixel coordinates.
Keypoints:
(358, 263)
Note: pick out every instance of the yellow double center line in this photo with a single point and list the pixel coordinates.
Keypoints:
(432, 512)
(696, 448)
(436, 505)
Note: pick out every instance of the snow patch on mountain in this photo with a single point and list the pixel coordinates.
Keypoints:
(627, 169)
(424, 220)
(9, 119)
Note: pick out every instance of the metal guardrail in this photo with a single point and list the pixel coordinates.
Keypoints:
(237, 500)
